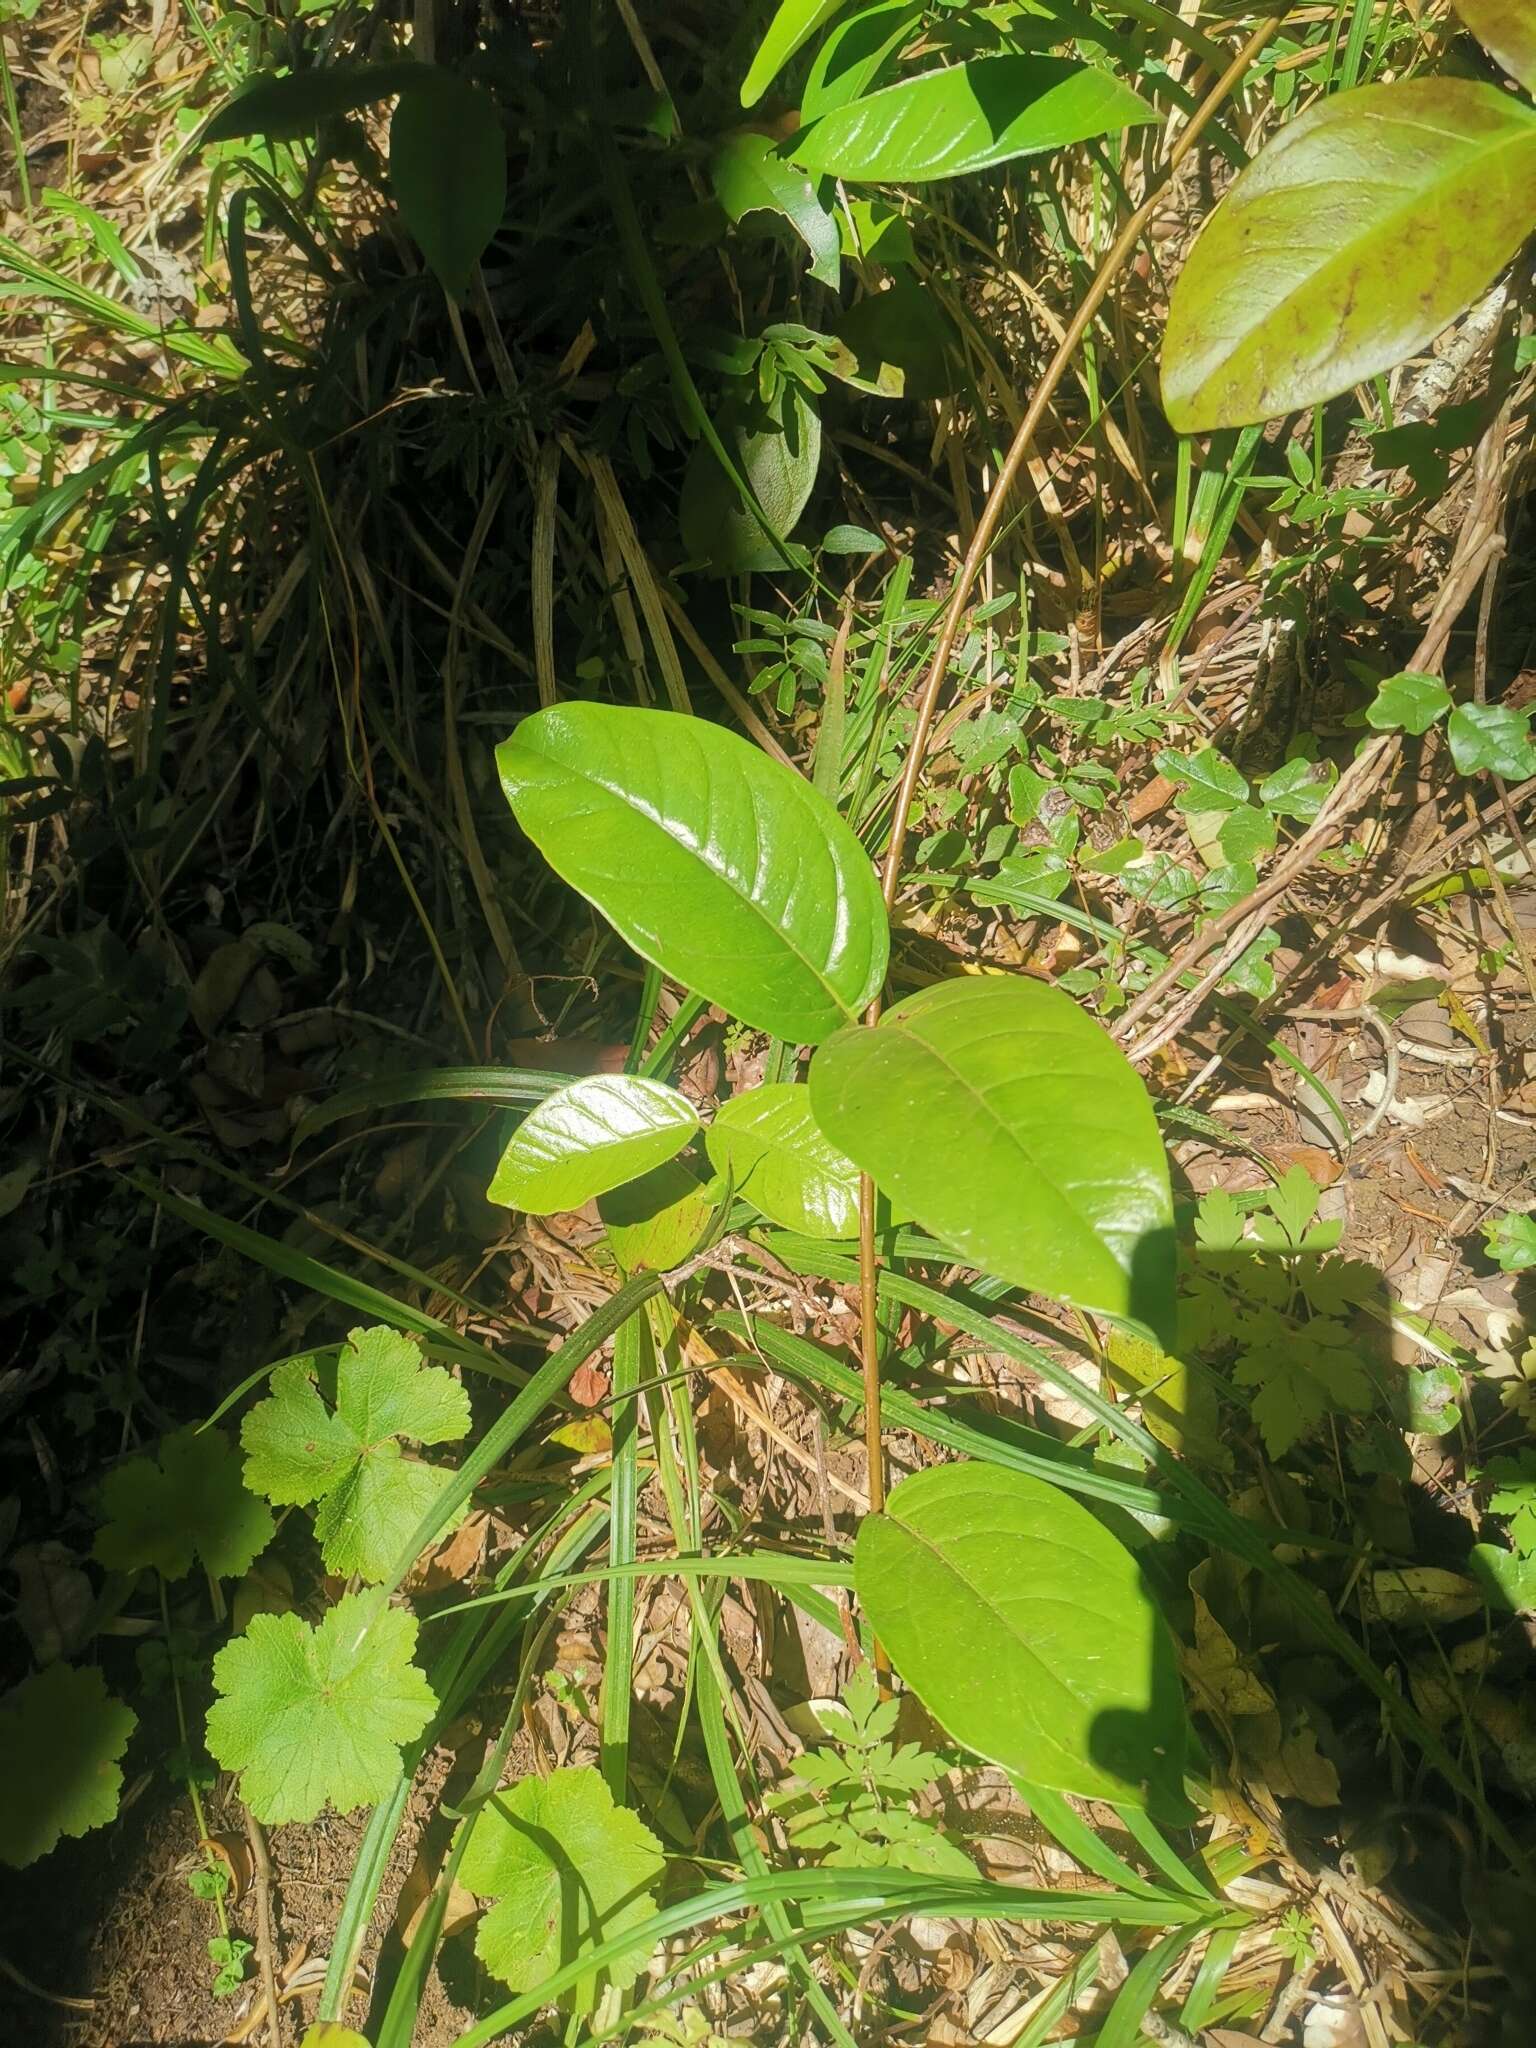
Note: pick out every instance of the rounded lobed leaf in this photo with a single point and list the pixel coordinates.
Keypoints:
(589, 1137)
(1011, 1126)
(311, 1716)
(62, 1734)
(721, 867)
(778, 1157)
(966, 117)
(567, 1869)
(1358, 235)
(1025, 1629)
(188, 1502)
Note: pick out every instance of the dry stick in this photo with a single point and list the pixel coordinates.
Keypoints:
(949, 631)
(262, 1865)
(1239, 925)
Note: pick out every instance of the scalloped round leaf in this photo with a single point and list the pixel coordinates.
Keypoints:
(567, 1869)
(1025, 1629)
(589, 1137)
(1356, 237)
(61, 1734)
(777, 1155)
(188, 1502)
(317, 1716)
(368, 1495)
(1013, 1128)
(721, 867)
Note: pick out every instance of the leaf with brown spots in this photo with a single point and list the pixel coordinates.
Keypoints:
(1354, 239)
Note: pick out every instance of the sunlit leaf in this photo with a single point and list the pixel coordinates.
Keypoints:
(590, 1136)
(795, 22)
(349, 1461)
(1010, 1125)
(1355, 238)
(749, 176)
(1025, 1629)
(723, 868)
(316, 1716)
(567, 1869)
(778, 1157)
(967, 117)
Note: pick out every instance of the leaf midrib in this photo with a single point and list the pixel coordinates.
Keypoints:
(1410, 207)
(627, 803)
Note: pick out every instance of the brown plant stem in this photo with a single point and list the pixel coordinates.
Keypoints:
(949, 632)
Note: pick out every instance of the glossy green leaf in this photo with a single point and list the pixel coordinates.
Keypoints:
(790, 29)
(448, 169)
(1408, 703)
(1494, 737)
(588, 1137)
(779, 456)
(1507, 30)
(1012, 1127)
(966, 117)
(281, 108)
(749, 176)
(770, 1144)
(1025, 1629)
(1356, 237)
(723, 868)
(848, 62)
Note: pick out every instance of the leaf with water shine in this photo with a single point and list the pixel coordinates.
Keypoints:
(777, 1155)
(1008, 1122)
(721, 867)
(968, 117)
(1355, 238)
(1025, 1629)
(590, 1136)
